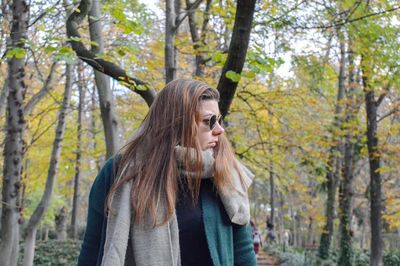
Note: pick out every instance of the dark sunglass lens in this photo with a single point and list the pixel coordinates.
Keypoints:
(213, 119)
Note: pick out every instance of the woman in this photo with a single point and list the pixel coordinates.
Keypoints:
(174, 195)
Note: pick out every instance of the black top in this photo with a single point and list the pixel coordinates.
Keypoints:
(192, 238)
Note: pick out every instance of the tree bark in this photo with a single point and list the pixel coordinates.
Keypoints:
(169, 48)
(107, 109)
(61, 224)
(106, 67)
(30, 233)
(198, 39)
(236, 53)
(347, 169)
(374, 157)
(93, 131)
(3, 98)
(13, 152)
(75, 200)
(272, 190)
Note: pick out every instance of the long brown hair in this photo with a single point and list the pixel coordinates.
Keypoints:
(148, 160)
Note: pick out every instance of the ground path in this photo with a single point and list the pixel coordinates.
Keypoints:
(266, 260)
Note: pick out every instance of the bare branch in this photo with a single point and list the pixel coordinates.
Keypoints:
(189, 10)
(393, 111)
(43, 14)
(43, 91)
(347, 21)
(383, 95)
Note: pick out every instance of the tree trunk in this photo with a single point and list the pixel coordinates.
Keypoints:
(236, 53)
(44, 203)
(371, 107)
(272, 193)
(3, 98)
(61, 224)
(332, 175)
(169, 49)
(93, 130)
(198, 39)
(75, 200)
(362, 239)
(13, 152)
(225, 29)
(281, 217)
(107, 109)
(347, 169)
(310, 231)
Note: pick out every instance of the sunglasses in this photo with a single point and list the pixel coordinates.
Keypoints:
(212, 121)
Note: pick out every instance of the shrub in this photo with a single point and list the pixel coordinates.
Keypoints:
(56, 253)
(392, 258)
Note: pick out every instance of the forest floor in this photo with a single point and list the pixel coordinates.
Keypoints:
(266, 260)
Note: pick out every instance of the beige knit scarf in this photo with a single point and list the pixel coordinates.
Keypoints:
(160, 246)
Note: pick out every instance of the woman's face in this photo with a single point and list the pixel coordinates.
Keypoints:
(208, 138)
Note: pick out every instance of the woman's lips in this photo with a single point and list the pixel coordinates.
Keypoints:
(212, 144)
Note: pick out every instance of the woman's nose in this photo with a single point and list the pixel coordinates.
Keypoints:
(218, 129)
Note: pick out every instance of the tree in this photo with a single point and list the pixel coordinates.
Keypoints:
(332, 174)
(198, 40)
(236, 53)
(13, 152)
(107, 108)
(371, 106)
(30, 232)
(79, 148)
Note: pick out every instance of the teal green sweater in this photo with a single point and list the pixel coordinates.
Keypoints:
(229, 244)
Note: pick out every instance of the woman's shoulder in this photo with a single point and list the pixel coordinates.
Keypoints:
(103, 181)
(108, 171)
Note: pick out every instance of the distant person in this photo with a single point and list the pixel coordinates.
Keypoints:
(175, 194)
(270, 230)
(286, 237)
(257, 242)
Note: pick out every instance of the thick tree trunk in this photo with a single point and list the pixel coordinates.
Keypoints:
(107, 109)
(371, 107)
(169, 48)
(75, 200)
(44, 203)
(13, 152)
(236, 53)
(332, 175)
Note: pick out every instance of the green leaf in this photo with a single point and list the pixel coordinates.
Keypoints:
(66, 54)
(232, 75)
(50, 49)
(249, 74)
(16, 52)
(76, 39)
